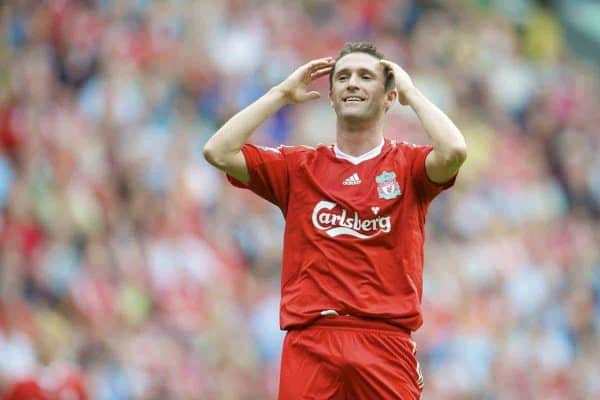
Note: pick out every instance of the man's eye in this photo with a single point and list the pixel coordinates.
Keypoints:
(367, 77)
(342, 78)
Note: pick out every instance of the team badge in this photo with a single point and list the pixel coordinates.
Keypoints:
(387, 186)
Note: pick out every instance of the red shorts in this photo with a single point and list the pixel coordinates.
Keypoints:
(349, 358)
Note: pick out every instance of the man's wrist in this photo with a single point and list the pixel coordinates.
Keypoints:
(412, 95)
(279, 95)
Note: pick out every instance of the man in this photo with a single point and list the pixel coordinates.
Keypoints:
(351, 283)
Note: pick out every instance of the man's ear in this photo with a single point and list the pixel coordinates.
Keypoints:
(330, 98)
(390, 98)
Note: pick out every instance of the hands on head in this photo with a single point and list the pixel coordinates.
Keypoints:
(402, 80)
(295, 87)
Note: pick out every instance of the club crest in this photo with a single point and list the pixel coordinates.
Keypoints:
(387, 185)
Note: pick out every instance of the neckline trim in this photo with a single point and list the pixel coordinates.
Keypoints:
(374, 152)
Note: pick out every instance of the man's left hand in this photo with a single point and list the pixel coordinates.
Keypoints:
(404, 83)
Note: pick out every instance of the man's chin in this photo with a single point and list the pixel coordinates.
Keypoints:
(350, 115)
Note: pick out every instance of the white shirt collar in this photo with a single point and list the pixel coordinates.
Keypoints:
(374, 152)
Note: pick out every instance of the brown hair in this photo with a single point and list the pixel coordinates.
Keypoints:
(363, 47)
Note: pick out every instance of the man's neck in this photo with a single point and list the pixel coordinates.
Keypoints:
(357, 138)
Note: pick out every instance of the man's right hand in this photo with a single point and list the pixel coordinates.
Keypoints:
(295, 87)
(224, 148)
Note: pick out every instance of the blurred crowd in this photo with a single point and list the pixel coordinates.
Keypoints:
(130, 269)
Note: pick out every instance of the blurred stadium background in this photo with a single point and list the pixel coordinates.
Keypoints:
(129, 269)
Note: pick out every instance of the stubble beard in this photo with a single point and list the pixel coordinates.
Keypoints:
(365, 114)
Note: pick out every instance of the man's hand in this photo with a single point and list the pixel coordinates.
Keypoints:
(295, 87)
(403, 82)
(449, 148)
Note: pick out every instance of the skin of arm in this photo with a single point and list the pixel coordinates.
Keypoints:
(449, 147)
(223, 149)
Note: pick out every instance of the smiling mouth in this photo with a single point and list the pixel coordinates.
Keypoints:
(353, 99)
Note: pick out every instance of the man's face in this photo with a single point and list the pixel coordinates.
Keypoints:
(358, 87)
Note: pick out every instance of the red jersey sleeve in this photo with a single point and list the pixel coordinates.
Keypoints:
(425, 187)
(268, 172)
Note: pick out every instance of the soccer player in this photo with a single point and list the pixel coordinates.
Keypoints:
(352, 274)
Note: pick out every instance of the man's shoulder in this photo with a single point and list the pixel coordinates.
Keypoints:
(407, 149)
(403, 145)
(296, 150)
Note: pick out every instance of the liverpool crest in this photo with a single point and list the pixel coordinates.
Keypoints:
(387, 185)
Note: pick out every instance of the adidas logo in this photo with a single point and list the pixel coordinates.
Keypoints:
(352, 180)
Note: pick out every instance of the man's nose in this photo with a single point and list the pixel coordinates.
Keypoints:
(353, 81)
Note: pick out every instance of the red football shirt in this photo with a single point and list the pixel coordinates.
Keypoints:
(354, 229)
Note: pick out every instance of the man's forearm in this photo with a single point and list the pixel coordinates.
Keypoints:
(230, 138)
(447, 139)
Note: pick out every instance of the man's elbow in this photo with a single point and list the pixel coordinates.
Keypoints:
(218, 158)
(211, 155)
(458, 154)
(452, 156)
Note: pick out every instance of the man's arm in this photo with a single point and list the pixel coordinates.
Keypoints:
(223, 149)
(449, 147)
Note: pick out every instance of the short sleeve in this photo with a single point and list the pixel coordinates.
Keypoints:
(268, 172)
(425, 187)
